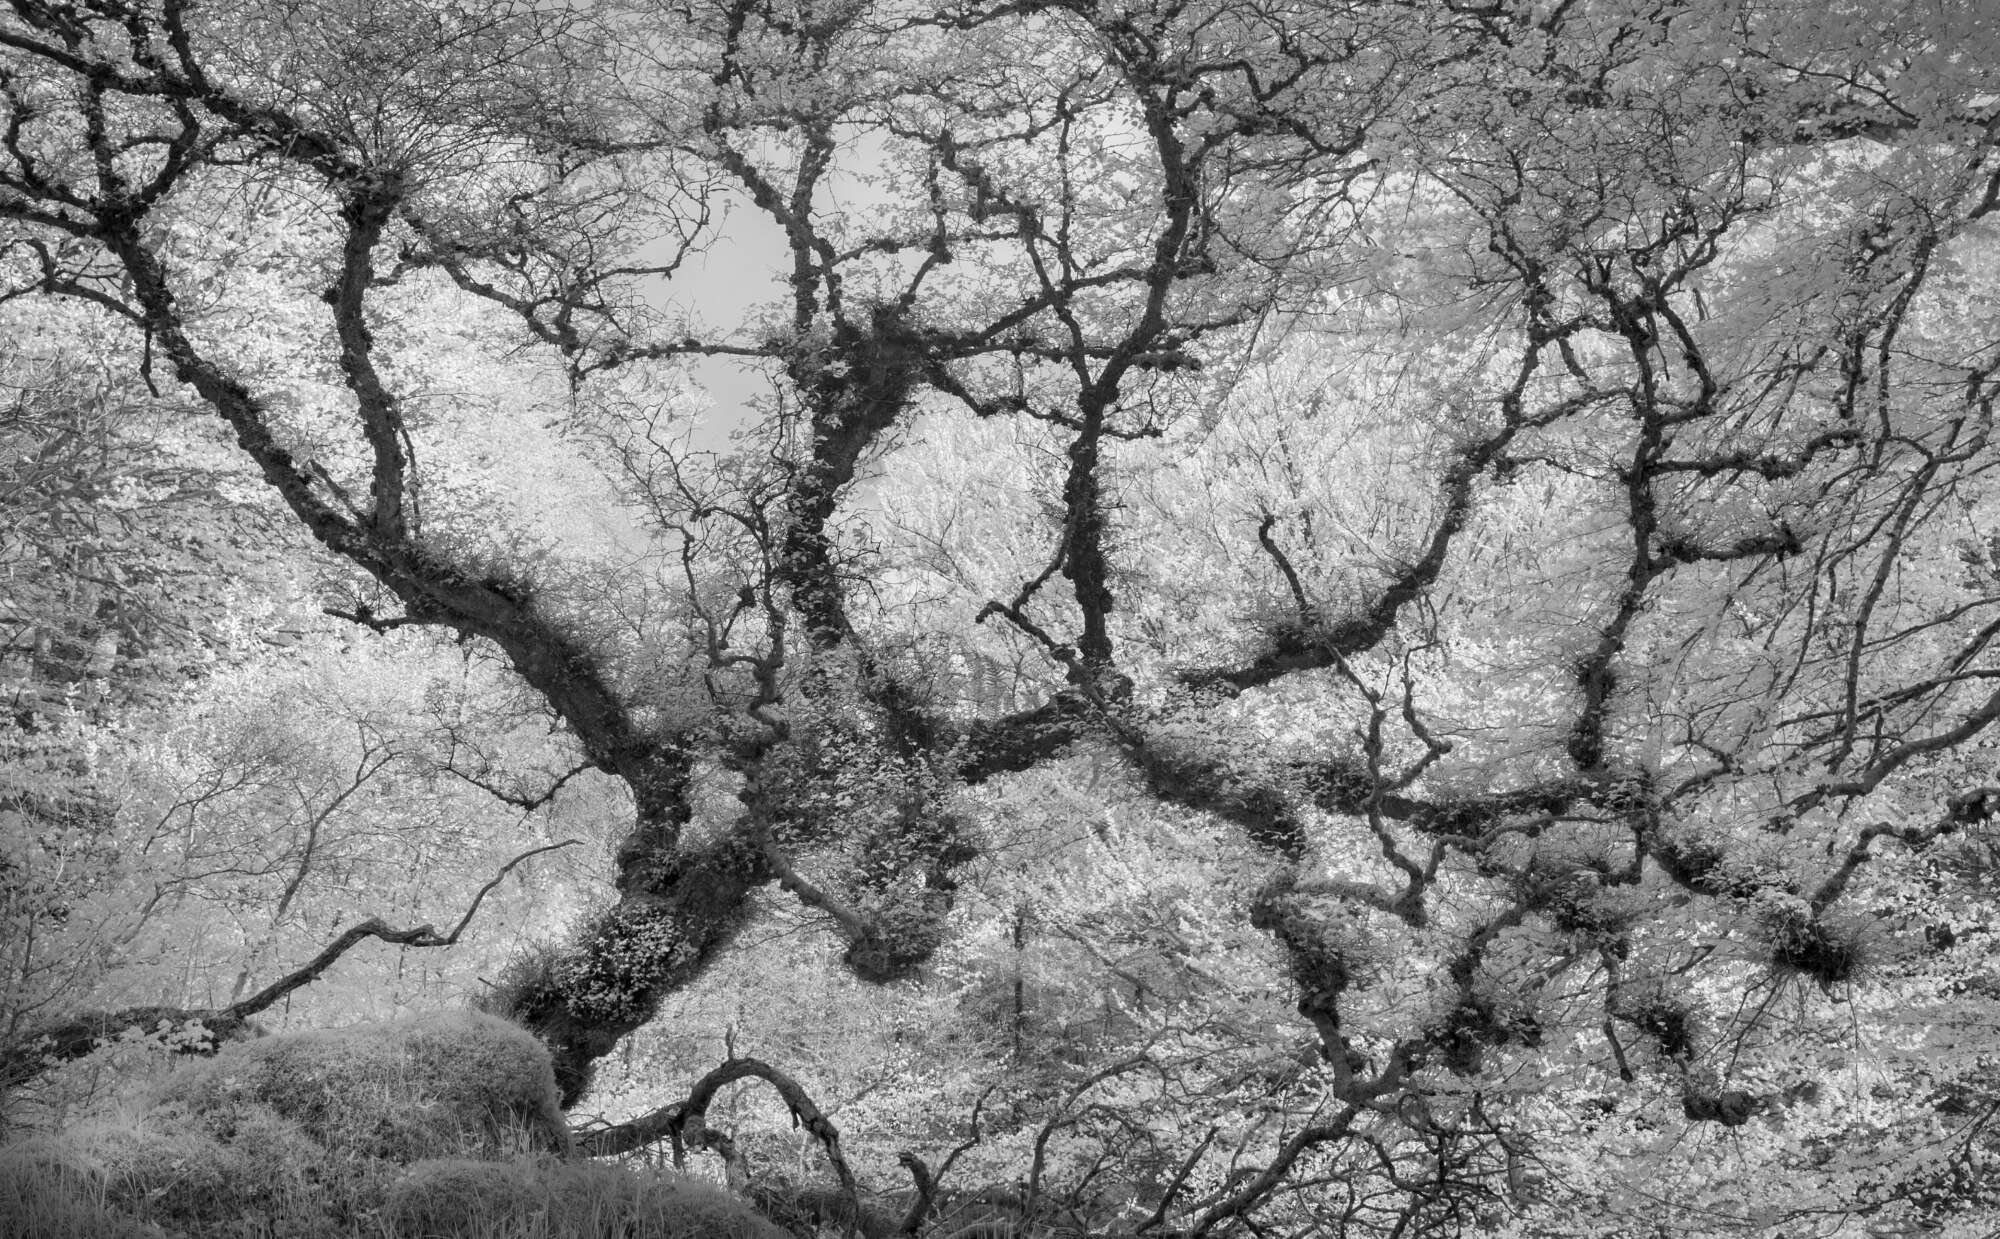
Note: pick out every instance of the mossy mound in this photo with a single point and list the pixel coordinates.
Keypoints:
(458, 1198)
(450, 1197)
(456, 1083)
(152, 1180)
(157, 1174)
(420, 1129)
(48, 1191)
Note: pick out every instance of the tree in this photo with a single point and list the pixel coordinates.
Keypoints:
(1573, 601)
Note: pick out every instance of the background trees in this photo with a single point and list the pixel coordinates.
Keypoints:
(1387, 605)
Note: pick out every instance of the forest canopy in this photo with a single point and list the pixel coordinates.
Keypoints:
(1354, 617)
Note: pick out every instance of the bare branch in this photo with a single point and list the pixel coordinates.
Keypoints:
(46, 1047)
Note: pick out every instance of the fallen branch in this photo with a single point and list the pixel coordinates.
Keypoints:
(682, 1119)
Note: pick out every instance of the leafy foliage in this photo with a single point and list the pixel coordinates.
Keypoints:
(1357, 616)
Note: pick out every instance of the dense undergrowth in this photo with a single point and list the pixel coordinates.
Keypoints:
(439, 1128)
